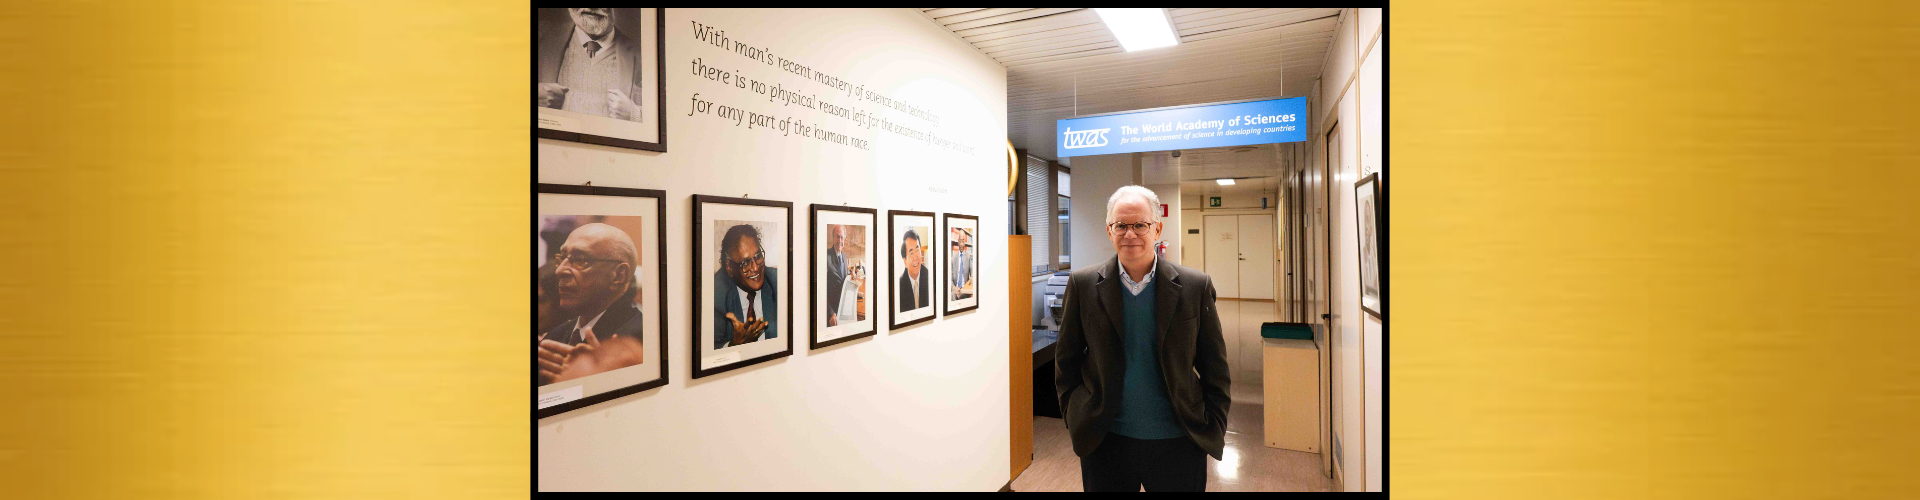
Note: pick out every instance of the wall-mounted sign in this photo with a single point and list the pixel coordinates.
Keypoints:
(1213, 201)
(1207, 126)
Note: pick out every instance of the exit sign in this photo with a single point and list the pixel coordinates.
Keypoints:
(1213, 201)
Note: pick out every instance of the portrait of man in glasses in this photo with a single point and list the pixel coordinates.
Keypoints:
(594, 290)
(746, 291)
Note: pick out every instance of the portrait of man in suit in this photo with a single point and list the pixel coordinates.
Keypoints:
(960, 253)
(842, 269)
(594, 291)
(745, 290)
(588, 64)
(913, 281)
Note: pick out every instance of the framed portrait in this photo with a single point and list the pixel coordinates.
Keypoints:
(599, 330)
(958, 289)
(844, 251)
(911, 274)
(740, 308)
(598, 77)
(1366, 200)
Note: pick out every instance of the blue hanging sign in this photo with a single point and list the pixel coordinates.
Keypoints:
(1213, 126)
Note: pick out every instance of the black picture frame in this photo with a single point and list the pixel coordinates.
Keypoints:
(700, 369)
(659, 272)
(660, 91)
(893, 247)
(813, 274)
(946, 302)
(1368, 207)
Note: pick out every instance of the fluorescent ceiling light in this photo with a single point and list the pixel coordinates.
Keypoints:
(1139, 29)
(1224, 182)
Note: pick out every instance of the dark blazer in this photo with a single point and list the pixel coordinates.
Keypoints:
(1089, 364)
(907, 302)
(556, 30)
(836, 279)
(726, 299)
(622, 319)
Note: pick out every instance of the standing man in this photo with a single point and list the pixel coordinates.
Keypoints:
(746, 292)
(586, 65)
(913, 281)
(1141, 371)
(836, 271)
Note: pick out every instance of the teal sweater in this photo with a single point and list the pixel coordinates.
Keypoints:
(1145, 412)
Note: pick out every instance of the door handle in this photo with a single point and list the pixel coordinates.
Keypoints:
(1326, 316)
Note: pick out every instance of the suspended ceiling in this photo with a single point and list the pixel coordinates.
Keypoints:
(1063, 62)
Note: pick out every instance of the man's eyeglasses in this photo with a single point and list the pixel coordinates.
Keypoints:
(564, 259)
(1139, 228)
(757, 258)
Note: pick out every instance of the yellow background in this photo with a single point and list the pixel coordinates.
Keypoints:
(265, 250)
(1639, 249)
(1653, 250)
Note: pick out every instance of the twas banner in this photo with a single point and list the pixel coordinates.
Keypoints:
(1205, 126)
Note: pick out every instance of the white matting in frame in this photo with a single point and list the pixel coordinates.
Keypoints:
(723, 282)
(845, 244)
(567, 110)
(913, 288)
(960, 276)
(584, 223)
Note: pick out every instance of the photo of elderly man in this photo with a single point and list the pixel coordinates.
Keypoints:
(746, 290)
(598, 325)
(588, 63)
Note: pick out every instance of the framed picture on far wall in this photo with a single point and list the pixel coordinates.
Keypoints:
(1366, 200)
(741, 250)
(598, 76)
(958, 287)
(911, 275)
(599, 329)
(844, 251)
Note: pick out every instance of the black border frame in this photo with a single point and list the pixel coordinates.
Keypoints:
(660, 268)
(945, 301)
(1371, 181)
(660, 54)
(699, 370)
(891, 214)
(813, 275)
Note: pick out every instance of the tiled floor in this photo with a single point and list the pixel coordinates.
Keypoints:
(1248, 466)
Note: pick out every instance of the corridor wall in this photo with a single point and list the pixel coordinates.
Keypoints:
(1350, 98)
(921, 408)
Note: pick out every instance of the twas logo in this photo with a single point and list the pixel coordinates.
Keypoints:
(1086, 138)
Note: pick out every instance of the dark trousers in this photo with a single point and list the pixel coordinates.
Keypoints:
(1125, 464)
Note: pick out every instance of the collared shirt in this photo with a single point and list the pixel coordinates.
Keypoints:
(756, 310)
(1135, 288)
(580, 39)
(588, 325)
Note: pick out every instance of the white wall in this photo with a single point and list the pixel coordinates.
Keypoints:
(1094, 179)
(920, 409)
(1350, 82)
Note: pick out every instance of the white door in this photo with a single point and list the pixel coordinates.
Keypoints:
(1256, 257)
(1223, 254)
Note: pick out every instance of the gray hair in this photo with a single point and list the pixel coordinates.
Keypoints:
(1153, 201)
